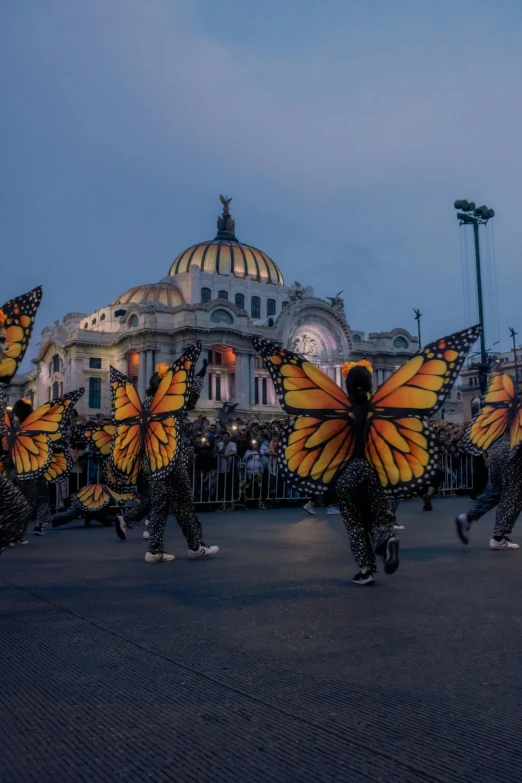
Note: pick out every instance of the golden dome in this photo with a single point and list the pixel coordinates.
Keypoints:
(160, 293)
(226, 255)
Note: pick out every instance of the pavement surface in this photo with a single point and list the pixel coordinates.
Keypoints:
(266, 663)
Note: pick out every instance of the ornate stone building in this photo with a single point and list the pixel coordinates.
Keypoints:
(221, 292)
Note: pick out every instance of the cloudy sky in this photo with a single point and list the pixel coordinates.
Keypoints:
(343, 130)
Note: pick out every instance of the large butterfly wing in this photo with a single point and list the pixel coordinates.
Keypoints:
(129, 417)
(92, 498)
(59, 466)
(313, 451)
(400, 444)
(498, 415)
(302, 388)
(21, 313)
(161, 436)
(114, 482)
(420, 386)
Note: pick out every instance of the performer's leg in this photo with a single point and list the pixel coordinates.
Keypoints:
(350, 497)
(63, 517)
(498, 459)
(14, 513)
(43, 509)
(29, 490)
(509, 507)
(160, 497)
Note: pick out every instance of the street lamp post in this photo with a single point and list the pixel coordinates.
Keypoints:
(470, 215)
(513, 334)
(418, 316)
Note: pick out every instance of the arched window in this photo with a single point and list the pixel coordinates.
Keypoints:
(86, 325)
(56, 363)
(56, 389)
(133, 320)
(222, 294)
(221, 317)
(357, 338)
(255, 307)
(102, 317)
(400, 342)
(93, 322)
(206, 295)
(270, 307)
(240, 301)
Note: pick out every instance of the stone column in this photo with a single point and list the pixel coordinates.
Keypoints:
(142, 381)
(252, 368)
(243, 381)
(338, 375)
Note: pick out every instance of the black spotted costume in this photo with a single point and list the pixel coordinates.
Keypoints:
(36, 493)
(15, 512)
(504, 488)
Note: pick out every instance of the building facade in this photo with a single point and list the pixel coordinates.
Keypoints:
(221, 292)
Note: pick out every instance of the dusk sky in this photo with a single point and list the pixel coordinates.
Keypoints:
(343, 130)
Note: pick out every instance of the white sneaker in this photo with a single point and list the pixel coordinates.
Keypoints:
(121, 527)
(146, 534)
(332, 510)
(23, 541)
(398, 527)
(506, 543)
(150, 558)
(309, 507)
(202, 551)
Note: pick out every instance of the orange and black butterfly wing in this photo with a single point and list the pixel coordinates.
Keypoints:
(21, 313)
(400, 444)
(129, 418)
(115, 483)
(403, 451)
(420, 386)
(169, 401)
(303, 389)
(515, 430)
(100, 436)
(313, 451)
(498, 415)
(59, 466)
(92, 498)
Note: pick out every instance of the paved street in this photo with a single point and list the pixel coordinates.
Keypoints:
(265, 664)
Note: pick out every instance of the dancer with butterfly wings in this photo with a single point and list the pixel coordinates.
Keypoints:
(16, 325)
(147, 438)
(367, 445)
(497, 430)
(31, 441)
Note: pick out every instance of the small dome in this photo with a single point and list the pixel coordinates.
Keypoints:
(161, 293)
(225, 255)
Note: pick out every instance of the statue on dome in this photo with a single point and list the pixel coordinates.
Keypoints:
(226, 223)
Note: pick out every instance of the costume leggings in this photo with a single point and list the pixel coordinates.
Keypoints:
(504, 489)
(366, 511)
(63, 517)
(36, 492)
(175, 491)
(14, 513)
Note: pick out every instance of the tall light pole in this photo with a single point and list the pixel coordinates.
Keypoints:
(470, 215)
(418, 316)
(513, 334)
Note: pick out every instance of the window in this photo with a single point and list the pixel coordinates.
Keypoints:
(264, 397)
(133, 321)
(94, 363)
(61, 388)
(56, 363)
(284, 304)
(357, 338)
(240, 301)
(470, 382)
(258, 362)
(206, 295)
(217, 357)
(56, 389)
(400, 342)
(48, 394)
(218, 388)
(86, 325)
(255, 307)
(256, 391)
(270, 307)
(94, 392)
(270, 322)
(210, 380)
(222, 294)
(93, 322)
(221, 317)
(209, 356)
(50, 369)
(102, 317)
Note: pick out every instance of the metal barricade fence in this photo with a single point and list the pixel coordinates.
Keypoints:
(258, 480)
